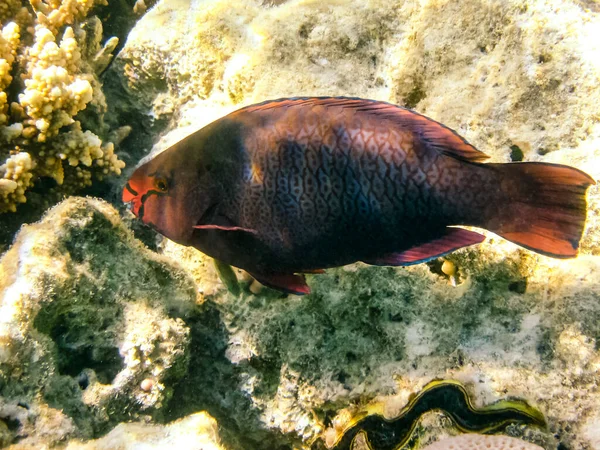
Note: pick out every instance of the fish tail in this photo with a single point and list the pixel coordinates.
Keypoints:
(541, 207)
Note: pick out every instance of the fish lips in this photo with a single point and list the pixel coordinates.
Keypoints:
(131, 198)
(136, 189)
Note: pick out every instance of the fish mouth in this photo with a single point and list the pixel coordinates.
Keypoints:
(133, 200)
(129, 194)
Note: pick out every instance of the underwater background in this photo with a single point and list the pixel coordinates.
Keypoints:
(112, 336)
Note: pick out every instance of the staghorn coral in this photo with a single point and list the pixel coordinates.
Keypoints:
(57, 62)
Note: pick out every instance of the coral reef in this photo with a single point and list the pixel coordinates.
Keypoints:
(82, 346)
(96, 330)
(518, 80)
(48, 75)
(374, 335)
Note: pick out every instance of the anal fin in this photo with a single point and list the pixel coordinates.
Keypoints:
(454, 239)
(285, 282)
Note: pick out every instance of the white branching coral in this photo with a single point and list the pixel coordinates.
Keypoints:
(9, 40)
(109, 163)
(57, 58)
(54, 91)
(55, 13)
(77, 147)
(8, 9)
(15, 179)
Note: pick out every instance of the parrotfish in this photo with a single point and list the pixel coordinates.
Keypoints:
(294, 186)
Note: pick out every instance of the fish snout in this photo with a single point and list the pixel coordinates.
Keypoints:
(136, 189)
(132, 197)
(128, 193)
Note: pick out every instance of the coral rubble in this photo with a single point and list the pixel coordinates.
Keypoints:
(47, 77)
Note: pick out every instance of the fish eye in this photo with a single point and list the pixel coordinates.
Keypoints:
(161, 184)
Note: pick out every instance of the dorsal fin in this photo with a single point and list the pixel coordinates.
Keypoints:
(436, 135)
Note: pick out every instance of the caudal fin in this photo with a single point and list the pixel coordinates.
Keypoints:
(542, 207)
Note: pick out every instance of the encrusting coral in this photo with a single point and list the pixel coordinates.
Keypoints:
(482, 442)
(99, 349)
(39, 133)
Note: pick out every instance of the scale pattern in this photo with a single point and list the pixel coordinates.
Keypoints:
(327, 167)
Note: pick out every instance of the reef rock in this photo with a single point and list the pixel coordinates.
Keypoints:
(518, 80)
(83, 346)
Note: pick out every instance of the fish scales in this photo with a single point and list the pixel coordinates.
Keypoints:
(298, 185)
(353, 177)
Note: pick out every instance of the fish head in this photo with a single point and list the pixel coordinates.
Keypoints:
(168, 193)
(182, 186)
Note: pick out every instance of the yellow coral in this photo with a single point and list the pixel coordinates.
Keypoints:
(109, 162)
(53, 14)
(9, 9)
(53, 94)
(59, 84)
(15, 179)
(9, 40)
(77, 146)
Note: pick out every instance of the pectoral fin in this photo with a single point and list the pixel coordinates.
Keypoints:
(225, 228)
(227, 276)
(454, 239)
(288, 283)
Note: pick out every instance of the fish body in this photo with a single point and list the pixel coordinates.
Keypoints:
(299, 185)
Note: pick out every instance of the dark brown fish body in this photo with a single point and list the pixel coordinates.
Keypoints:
(304, 184)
